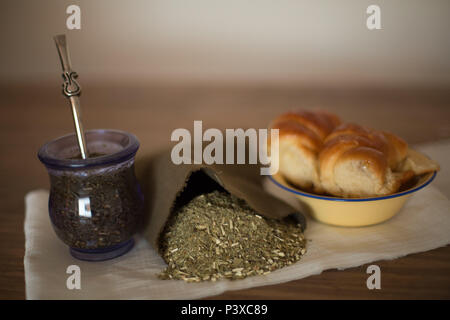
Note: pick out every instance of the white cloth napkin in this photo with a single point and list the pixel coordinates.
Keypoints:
(423, 224)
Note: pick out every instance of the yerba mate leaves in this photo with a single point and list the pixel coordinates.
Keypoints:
(95, 210)
(218, 236)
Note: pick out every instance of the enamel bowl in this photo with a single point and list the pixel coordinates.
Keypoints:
(353, 212)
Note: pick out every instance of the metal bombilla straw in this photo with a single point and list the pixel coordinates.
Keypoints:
(72, 90)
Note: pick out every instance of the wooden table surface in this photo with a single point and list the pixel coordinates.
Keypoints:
(32, 115)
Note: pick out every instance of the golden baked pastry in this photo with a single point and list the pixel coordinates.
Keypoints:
(319, 154)
(301, 136)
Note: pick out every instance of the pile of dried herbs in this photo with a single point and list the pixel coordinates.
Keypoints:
(217, 236)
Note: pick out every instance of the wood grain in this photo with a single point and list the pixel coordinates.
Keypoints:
(32, 115)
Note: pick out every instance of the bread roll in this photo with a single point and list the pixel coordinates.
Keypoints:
(318, 154)
(418, 163)
(301, 138)
(358, 162)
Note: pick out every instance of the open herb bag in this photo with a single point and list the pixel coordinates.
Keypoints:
(168, 185)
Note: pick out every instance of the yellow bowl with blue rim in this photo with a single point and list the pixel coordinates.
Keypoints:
(353, 212)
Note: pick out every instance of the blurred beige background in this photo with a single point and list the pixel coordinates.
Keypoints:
(286, 41)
